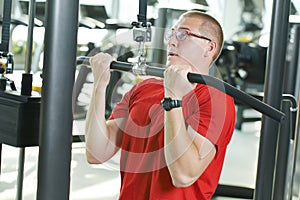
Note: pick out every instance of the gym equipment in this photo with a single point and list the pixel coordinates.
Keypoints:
(56, 120)
(19, 124)
(272, 96)
(270, 127)
(144, 69)
(54, 159)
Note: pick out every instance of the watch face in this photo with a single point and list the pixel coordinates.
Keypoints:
(167, 104)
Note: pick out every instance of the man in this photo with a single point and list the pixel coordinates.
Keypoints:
(172, 134)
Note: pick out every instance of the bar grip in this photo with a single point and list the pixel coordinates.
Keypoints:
(117, 65)
(123, 66)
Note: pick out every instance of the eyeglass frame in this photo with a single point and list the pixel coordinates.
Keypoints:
(187, 32)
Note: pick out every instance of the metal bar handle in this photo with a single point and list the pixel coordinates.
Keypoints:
(202, 79)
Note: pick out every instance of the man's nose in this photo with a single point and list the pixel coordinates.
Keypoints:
(173, 40)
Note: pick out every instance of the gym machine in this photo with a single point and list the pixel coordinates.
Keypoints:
(272, 150)
(21, 109)
(20, 123)
(55, 125)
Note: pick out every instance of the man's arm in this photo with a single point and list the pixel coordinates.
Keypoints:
(187, 153)
(102, 137)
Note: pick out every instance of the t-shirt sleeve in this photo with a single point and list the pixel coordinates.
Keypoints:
(121, 109)
(211, 113)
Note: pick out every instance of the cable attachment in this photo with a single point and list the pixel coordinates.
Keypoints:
(140, 68)
(141, 31)
(141, 34)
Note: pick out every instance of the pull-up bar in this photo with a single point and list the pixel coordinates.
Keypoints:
(202, 79)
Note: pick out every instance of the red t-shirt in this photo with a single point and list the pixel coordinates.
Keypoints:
(144, 174)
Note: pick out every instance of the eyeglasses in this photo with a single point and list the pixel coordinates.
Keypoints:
(182, 35)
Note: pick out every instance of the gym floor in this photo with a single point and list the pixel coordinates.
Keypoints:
(102, 182)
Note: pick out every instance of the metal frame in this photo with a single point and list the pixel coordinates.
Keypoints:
(273, 95)
(56, 108)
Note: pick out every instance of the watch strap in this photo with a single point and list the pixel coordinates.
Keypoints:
(168, 103)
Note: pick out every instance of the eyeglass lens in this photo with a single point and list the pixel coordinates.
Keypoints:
(180, 35)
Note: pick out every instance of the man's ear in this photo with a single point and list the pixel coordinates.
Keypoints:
(211, 49)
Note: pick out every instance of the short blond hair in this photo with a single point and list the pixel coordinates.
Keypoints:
(210, 26)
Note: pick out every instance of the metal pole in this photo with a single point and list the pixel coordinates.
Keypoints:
(295, 64)
(56, 107)
(295, 181)
(5, 37)
(26, 90)
(28, 59)
(0, 156)
(280, 178)
(159, 54)
(20, 173)
(272, 96)
(290, 82)
(142, 16)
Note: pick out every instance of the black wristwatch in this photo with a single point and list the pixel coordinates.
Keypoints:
(168, 104)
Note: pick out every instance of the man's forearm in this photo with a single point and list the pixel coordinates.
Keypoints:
(177, 143)
(97, 133)
(182, 150)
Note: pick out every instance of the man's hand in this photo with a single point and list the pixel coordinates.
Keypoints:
(100, 64)
(175, 81)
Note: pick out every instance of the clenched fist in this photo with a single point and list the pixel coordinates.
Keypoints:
(100, 64)
(175, 81)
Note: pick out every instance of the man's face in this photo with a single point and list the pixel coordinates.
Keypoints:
(190, 51)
